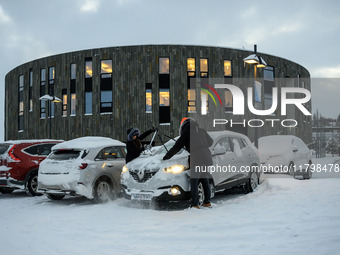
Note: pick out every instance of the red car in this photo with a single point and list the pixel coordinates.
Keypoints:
(19, 163)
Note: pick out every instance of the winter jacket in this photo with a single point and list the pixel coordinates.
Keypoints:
(135, 147)
(196, 141)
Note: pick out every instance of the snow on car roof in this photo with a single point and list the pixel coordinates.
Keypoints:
(216, 134)
(88, 142)
(30, 141)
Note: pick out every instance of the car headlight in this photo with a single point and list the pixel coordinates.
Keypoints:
(125, 169)
(176, 169)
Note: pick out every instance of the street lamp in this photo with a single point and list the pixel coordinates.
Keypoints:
(50, 99)
(257, 61)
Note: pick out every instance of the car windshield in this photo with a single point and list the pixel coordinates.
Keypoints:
(3, 148)
(161, 149)
(64, 154)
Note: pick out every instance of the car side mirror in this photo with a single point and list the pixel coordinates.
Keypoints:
(219, 150)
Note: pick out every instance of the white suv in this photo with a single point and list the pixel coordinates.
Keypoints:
(236, 162)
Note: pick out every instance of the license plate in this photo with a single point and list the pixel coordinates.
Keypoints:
(141, 196)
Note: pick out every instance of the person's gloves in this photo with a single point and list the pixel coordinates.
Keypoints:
(166, 157)
(147, 147)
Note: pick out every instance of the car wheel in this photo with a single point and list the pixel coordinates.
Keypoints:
(32, 185)
(6, 190)
(291, 169)
(103, 190)
(308, 174)
(55, 196)
(252, 182)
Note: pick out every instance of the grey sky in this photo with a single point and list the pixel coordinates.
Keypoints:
(307, 32)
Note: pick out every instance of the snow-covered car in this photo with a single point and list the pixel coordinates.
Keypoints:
(87, 166)
(19, 163)
(285, 154)
(150, 178)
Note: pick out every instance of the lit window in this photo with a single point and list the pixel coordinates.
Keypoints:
(227, 68)
(73, 104)
(191, 66)
(191, 100)
(164, 66)
(51, 73)
(204, 103)
(64, 93)
(88, 67)
(106, 66)
(164, 97)
(204, 67)
(228, 96)
(148, 97)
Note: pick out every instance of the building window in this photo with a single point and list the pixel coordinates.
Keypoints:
(148, 97)
(164, 66)
(204, 103)
(88, 86)
(64, 95)
(191, 100)
(228, 104)
(164, 90)
(204, 67)
(106, 86)
(227, 68)
(21, 104)
(42, 93)
(269, 83)
(73, 104)
(74, 71)
(30, 91)
(51, 78)
(191, 67)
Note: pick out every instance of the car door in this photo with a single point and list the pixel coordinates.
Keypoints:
(110, 160)
(241, 160)
(223, 161)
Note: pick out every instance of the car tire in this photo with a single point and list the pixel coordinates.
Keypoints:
(291, 169)
(32, 185)
(55, 196)
(308, 174)
(6, 190)
(252, 182)
(200, 193)
(103, 190)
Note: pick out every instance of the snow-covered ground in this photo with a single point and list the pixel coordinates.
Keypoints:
(283, 216)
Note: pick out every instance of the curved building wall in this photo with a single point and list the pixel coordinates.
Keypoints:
(105, 91)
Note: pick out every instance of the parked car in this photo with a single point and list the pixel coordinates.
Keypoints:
(285, 154)
(19, 163)
(149, 178)
(87, 166)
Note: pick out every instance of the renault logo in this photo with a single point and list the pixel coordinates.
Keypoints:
(140, 175)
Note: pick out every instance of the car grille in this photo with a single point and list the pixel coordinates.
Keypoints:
(142, 178)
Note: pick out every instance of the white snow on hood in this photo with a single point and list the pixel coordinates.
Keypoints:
(88, 142)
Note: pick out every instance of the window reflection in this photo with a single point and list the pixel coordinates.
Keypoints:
(164, 64)
(164, 97)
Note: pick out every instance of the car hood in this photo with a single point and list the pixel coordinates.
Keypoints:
(156, 162)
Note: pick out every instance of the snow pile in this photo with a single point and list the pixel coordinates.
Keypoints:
(283, 216)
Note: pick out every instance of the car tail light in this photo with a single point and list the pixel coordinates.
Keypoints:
(12, 155)
(83, 166)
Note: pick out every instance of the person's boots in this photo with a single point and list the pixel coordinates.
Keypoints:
(207, 205)
(195, 206)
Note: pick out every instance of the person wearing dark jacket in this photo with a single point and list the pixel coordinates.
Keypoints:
(197, 142)
(134, 145)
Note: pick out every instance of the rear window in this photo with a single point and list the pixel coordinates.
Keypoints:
(64, 154)
(3, 148)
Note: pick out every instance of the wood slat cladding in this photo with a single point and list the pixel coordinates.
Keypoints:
(132, 68)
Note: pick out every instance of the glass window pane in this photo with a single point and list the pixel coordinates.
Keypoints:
(191, 100)
(164, 97)
(73, 104)
(43, 75)
(148, 100)
(88, 103)
(227, 68)
(228, 100)
(106, 66)
(106, 96)
(74, 71)
(21, 83)
(204, 65)
(51, 73)
(191, 64)
(31, 78)
(88, 67)
(164, 64)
